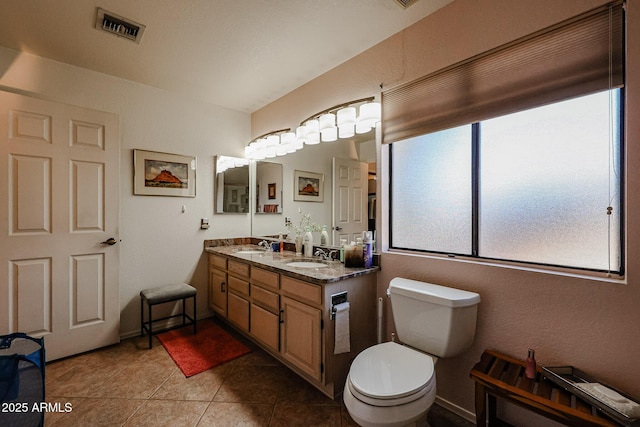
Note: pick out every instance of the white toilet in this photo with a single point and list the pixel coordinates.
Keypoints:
(392, 384)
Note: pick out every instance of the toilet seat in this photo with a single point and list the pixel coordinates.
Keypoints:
(391, 374)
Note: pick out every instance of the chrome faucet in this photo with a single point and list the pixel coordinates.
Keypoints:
(322, 254)
(267, 245)
(326, 256)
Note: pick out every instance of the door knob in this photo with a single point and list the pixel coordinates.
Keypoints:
(110, 241)
(337, 228)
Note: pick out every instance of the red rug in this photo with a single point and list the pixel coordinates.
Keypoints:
(209, 347)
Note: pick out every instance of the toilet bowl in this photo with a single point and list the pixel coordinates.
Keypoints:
(390, 385)
(393, 384)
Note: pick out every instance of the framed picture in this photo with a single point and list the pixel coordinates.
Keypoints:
(272, 190)
(163, 174)
(308, 186)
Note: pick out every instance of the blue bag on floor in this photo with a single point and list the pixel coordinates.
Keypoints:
(22, 364)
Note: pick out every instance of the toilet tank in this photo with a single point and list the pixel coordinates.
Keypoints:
(436, 319)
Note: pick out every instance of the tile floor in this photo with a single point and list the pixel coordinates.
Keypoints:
(129, 385)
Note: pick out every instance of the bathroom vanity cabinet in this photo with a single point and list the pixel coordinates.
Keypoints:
(287, 312)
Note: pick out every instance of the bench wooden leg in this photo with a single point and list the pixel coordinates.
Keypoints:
(184, 312)
(141, 317)
(194, 315)
(493, 409)
(481, 405)
(149, 329)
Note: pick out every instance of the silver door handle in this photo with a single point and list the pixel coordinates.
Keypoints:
(110, 241)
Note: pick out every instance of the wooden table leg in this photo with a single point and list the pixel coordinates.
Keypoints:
(493, 416)
(481, 406)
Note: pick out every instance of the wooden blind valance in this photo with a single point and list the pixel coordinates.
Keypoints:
(576, 57)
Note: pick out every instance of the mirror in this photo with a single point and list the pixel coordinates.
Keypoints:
(268, 188)
(317, 159)
(231, 185)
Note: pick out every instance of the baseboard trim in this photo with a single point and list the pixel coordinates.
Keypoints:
(458, 410)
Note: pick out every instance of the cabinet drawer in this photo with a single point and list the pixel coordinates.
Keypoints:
(238, 311)
(267, 299)
(302, 290)
(217, 261)
(265, 327)
(265, 278)
(238, 285)
(238, 268)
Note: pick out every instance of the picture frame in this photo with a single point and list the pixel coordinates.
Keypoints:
(163, 174)
(308, 186)
(272, 191)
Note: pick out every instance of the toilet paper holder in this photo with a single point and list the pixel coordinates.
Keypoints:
(336, 299)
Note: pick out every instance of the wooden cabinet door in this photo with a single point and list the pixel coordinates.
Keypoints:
(301, 336)
(238, 311)
(218, 291)
(264, 326)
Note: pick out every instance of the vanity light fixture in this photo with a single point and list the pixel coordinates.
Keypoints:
(338, 122)
(224, 163)
(342, 121)
(272, 144)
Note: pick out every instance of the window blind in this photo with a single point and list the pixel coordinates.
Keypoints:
(579, 56)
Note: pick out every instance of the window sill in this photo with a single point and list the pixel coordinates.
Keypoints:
(597, 276)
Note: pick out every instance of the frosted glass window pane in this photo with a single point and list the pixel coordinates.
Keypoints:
(431, 192)
(545, 185)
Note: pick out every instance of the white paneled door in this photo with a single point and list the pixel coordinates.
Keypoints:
(350, 198)
(59, 208)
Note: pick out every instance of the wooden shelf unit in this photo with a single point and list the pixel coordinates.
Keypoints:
(501, 377)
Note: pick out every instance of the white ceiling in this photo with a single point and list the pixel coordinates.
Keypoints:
(240, 54)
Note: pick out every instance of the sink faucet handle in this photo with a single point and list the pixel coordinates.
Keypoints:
(267, 245)
(332, 254)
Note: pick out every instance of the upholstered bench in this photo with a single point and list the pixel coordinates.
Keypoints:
(162, 294)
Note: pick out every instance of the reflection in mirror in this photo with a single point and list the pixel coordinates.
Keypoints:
(231, 185)
(268, 187)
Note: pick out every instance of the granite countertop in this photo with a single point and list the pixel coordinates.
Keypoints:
(277, 261)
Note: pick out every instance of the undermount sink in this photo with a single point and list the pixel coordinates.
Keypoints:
(250, 251)
(307, 264)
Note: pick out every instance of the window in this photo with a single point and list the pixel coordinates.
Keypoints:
(541, 185)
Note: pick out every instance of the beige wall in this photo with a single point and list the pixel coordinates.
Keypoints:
(591, 324)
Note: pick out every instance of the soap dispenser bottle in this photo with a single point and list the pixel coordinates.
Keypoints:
(307, 241)
(324, 236)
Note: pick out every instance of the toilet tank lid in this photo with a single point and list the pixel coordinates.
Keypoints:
(436, 294)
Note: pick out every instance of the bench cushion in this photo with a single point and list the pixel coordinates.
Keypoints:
(168, 293)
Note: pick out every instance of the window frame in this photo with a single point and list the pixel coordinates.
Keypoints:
(475, 207)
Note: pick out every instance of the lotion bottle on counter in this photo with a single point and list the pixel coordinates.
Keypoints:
(324, 236)
(307, 241)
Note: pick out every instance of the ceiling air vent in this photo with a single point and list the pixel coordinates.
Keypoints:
(405, 3)
(119, 26)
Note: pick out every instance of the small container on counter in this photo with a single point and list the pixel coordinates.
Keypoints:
(343, 243)
(367, 249)
(353, 256)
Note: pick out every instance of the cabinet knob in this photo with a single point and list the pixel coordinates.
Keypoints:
(222, 286)
(281, 316)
